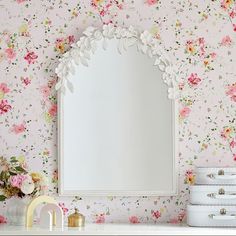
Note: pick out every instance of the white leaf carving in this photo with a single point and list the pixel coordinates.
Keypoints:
(81, 53)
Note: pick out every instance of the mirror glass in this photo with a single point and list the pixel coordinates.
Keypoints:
(117, 129)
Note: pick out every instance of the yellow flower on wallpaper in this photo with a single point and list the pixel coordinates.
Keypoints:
(96, 2)
(23, 30)
(178, 23)
(36, 176)
(189, 177)
(155, 32)
(190, 48)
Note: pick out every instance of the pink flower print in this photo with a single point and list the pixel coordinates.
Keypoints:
(45, 90)
(4, 106)
(232, 144)
(17, 180)
(232, 14)
(26, 81)
(100, 219)
(3, 88)
(189, 177)
(174, 221)
(17, 129)
(134, 220)
(213, 55)
(193, 79)
(156, 214)
(71, 39)
(226, 41)
(225, 4)
(231, 91)
(20, 1)
(31, 57)
(234, 157)
(10, 53)
(184, 112)
(151, 2)
(2, 220)
(55, 176)
(95, 3)
(227, 132)
(181, 216)
(53, 110)
(63, 207)
(201, 41)
(234, 27)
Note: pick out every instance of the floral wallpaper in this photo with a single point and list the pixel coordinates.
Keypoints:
(199, 35)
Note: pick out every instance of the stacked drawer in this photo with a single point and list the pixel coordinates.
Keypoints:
(213, 198)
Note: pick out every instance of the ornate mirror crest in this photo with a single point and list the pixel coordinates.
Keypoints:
(81, 52)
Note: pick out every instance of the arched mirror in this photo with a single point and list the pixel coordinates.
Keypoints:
(117, 125)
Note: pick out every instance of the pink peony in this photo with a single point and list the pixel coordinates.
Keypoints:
(63, 207)
(231, 91)
(134, 220)
(232, 14)
(45, 90)
(234, 27)
(53, 110)
(71, 39)
(10, 53)
(4, 106)
(184, 112)
(156, 214)
(4, 88)
(31, 57)
(26, 81)
(2, 220)
(226, 41)
(232, 144)
(17, 129)
(234, 157)
(151, 2)
(193, 79)
(181, 216)
(17, 180)
(100, 219)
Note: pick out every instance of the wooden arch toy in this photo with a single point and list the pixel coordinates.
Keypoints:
(32, 206)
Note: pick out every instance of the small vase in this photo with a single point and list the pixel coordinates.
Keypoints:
(16, 210)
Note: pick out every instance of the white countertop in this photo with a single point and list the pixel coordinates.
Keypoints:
(119, 229)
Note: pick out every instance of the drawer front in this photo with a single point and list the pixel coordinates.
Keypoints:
(212, 216)
(213, 195)
(214, 176)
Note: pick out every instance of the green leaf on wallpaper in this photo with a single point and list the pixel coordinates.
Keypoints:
(13, 161)
(2, 198)
(48, 118)
(12, 173)
(19, 168)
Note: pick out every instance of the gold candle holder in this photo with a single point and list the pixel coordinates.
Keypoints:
(76, 219)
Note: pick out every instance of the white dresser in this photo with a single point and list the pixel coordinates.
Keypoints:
(120, 229)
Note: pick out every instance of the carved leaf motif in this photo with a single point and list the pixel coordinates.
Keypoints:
(70, 86)
(104, 44)
(83, 61)
(81, 52)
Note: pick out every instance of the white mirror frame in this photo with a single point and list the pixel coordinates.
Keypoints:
(80, 54)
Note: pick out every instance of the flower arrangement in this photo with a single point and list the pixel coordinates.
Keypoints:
(16, 180)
